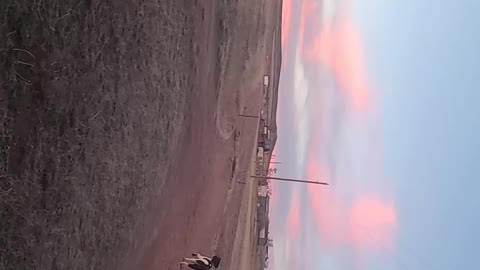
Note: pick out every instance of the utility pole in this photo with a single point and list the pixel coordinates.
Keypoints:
(289, 180)
(271, 162)
(248, 116)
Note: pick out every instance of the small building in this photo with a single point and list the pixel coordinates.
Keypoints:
(260, 154)
(263, 191)
(263, 222)
(263, 225)
(263, 136)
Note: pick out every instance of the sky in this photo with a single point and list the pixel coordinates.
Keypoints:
(380, 99)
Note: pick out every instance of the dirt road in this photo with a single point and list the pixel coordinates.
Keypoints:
(244, 243)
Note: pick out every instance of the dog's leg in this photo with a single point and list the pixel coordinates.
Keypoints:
(200, 256)
(192, 260)
(182, 264)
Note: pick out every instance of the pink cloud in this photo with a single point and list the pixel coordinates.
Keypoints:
(369, 224)
(286, 23)
(372, 223)
(369, 221)
(307, 15)
(339, 48)
(293, 219)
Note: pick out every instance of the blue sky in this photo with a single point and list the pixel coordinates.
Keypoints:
(403, 167)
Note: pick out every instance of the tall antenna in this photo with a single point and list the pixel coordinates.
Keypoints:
(290, 180)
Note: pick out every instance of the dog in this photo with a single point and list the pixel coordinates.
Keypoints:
(200, 262)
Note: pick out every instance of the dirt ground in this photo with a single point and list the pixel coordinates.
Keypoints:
(121, 145)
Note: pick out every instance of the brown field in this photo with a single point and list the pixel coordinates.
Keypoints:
(121, 145)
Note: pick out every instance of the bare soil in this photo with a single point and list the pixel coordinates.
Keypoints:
(117, 136)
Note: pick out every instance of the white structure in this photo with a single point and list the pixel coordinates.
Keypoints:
(265, 80)
(260, 154)
(262, 233)
(263, 191)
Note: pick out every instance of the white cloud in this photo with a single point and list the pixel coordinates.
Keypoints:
(329, 9)
(300, 93)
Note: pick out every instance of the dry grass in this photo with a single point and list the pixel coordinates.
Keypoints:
(241, 37)
(93, 96)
